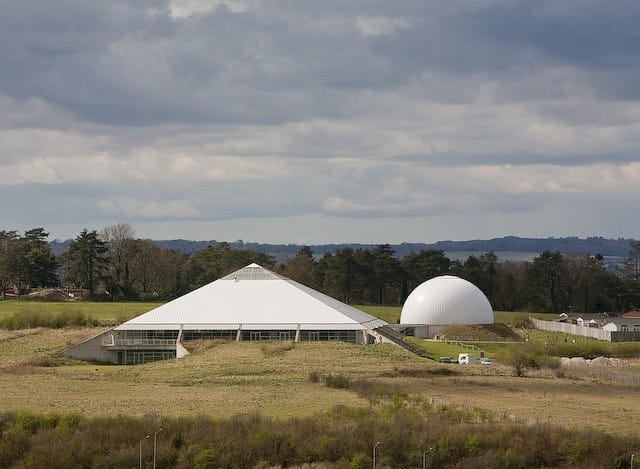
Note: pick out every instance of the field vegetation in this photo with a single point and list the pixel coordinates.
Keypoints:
(23, 314)
(319, 405)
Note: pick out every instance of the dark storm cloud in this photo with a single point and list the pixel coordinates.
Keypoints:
(132, 63)
(175, 110)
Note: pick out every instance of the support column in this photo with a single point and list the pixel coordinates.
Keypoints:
(297, 339)
(180, 350)
(239, 334)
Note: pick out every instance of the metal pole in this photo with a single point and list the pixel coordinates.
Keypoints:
(374, 454)
(145, 438)
(155, 446)
(632, 455)
(424, 458)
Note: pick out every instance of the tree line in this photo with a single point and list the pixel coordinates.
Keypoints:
(115, 264)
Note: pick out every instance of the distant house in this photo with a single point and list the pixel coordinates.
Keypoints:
(631, 314)
(622, 324)
(586, 322)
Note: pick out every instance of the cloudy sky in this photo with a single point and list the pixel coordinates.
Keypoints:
(312, 122)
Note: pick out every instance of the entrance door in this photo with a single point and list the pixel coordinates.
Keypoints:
(314, 335)
(285, 335)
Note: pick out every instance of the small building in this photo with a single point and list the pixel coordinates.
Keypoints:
(252, 303)
(621, 324)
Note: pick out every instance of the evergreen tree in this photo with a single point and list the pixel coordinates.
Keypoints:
(88, 263)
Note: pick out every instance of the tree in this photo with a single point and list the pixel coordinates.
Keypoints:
(213, 262)
(509, 286)
(40, 263)
(119, 242)
(301, 268)
(7, 244)
(630, 287)
(545, 280)
(339, 274)
(488, 262)
(632, 264)
(87, 257)
(27, 260)
(420, 267)
(386, 269)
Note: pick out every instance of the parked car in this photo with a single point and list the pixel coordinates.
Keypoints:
(447, 360)
(486, 361)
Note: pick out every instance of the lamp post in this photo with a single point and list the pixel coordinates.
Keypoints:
(424, 458)
(141, 441)
(155, 446)
(374, 454)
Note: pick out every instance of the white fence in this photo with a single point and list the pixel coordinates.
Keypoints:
(594, 332)
(573, 329)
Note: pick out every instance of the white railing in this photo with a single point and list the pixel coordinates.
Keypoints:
(137, 342)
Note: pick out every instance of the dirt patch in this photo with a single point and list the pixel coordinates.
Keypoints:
(48, 294)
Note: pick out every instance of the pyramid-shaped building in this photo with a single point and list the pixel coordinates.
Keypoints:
(252, 303)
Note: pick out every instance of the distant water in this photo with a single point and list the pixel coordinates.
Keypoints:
(516, 256)
(614, 263)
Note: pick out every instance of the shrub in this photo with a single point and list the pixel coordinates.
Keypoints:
(359, 461)
(205, 459)
(338, 381)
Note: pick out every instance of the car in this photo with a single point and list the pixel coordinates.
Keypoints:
(447, 360)
(486, 361)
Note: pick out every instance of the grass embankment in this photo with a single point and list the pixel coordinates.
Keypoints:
(22, 314)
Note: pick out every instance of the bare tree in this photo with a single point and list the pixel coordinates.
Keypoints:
(118, 239)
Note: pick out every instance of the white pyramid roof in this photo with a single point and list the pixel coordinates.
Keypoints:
(254, 298)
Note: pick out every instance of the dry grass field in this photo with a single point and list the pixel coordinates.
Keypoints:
(223, 379)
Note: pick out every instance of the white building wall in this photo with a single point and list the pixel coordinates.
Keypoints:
(92, 350)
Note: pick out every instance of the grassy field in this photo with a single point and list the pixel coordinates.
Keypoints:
(224, 379)
(101, 311)
(391, 314)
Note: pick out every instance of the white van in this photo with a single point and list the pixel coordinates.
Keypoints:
(467, 359)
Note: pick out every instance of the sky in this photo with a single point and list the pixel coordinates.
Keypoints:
(316, 122)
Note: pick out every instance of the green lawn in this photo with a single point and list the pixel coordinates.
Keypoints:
(101, 311)
(391, 314)
(440, 349)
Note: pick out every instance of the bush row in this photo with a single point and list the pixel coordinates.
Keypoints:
(31, 319)
(341, 438)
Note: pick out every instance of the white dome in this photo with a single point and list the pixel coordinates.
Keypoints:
(446, 300)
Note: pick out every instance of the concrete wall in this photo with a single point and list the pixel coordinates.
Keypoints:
(626, 336)
(594, 332)
(427, 332)
(91, 350)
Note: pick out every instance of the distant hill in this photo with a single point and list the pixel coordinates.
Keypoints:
(510, 244)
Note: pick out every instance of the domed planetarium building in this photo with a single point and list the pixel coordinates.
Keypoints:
(443, 301)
